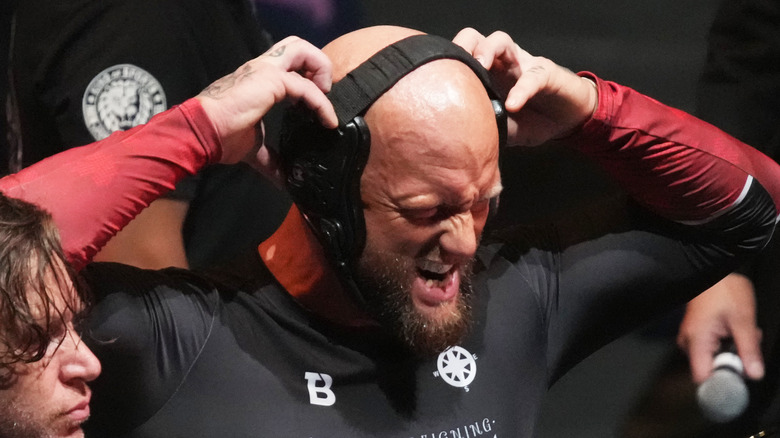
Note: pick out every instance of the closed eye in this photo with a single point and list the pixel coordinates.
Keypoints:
(420, 214)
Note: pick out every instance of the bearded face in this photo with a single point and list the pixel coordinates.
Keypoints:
(425, 192)
(386, 284)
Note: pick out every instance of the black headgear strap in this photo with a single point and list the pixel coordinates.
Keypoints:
(360, 88)
(324, 166)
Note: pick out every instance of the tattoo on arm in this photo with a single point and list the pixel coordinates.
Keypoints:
(220, 86)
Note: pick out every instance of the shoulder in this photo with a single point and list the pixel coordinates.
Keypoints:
(107, 278)
(135, 306)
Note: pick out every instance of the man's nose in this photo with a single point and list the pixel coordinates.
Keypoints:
(79, 362)
(460, 236)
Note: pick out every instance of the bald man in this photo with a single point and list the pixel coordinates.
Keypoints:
(392, 315)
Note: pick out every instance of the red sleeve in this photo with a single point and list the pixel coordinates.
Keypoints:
(93, 191)
(677, 165)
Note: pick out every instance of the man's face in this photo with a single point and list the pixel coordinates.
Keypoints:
(426, 191)
(50, 397)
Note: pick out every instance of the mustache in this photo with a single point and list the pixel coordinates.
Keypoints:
(385, 280)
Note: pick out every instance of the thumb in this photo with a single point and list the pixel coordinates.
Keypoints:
(267, 162)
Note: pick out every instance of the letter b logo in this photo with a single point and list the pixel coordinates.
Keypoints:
(320, 394)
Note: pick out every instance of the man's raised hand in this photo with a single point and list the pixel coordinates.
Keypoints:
(544, 101)
(292, 69)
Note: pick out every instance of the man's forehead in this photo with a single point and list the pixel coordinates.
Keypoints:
(54, 294)
(440, 109)
(436, 87)
(447, 140)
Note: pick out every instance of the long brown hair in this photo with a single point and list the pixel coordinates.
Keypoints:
(30, 253)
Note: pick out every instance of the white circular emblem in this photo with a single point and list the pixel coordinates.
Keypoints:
(457, 367)
(119, 98)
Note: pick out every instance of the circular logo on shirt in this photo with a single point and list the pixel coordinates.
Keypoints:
(119, 98)
(457, 367)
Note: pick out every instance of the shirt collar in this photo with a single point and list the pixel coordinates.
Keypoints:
(298, 262)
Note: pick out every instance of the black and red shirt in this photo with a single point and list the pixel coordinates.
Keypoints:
(267, 353)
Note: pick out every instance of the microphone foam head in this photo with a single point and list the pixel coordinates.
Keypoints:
(723, 397)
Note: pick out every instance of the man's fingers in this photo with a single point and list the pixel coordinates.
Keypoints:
(499, 54)
(469, 39)
(700, 354)
(497, 45)
(292, 69)
(314, 65)
(305, 73)
(295, 54)
(309, 75)
(526, 87)
(300, 89)
(748, 343)
(267, 163)
(742, 323)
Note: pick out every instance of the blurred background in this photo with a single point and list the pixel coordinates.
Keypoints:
(655, 47)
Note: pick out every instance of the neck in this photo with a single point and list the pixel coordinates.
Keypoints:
(298, 262)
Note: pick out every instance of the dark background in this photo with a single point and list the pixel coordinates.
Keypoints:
(656, 47)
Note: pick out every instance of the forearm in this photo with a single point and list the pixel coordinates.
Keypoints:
(153, 240)
(94, 190)
(678, 166)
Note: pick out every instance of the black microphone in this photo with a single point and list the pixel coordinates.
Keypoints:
(724, 395)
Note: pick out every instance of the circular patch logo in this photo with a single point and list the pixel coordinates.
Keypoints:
(119, 98)
(457, 367)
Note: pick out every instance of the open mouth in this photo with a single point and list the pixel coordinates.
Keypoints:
(435, 274)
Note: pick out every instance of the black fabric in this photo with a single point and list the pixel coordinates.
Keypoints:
(192, 355)
(61, 45)
(354, 93)
(6, 12)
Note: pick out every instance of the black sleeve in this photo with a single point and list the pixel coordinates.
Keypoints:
(147, 327)
(609, 268)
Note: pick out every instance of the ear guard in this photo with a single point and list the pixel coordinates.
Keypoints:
(324, 167)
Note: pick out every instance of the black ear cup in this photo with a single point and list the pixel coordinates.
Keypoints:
(323, 169)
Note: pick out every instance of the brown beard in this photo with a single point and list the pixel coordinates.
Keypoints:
(15, 423)
(385, 281)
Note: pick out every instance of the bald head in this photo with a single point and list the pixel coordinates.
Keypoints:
(431, 171)
(440, 95)
(440, 109)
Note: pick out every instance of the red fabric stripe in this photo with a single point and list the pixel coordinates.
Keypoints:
(687, 170)
(93, 191)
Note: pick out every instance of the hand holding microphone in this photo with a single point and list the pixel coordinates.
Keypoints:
(726, 310)
(724, 396)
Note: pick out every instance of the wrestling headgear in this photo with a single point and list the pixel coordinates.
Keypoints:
(324, 167)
